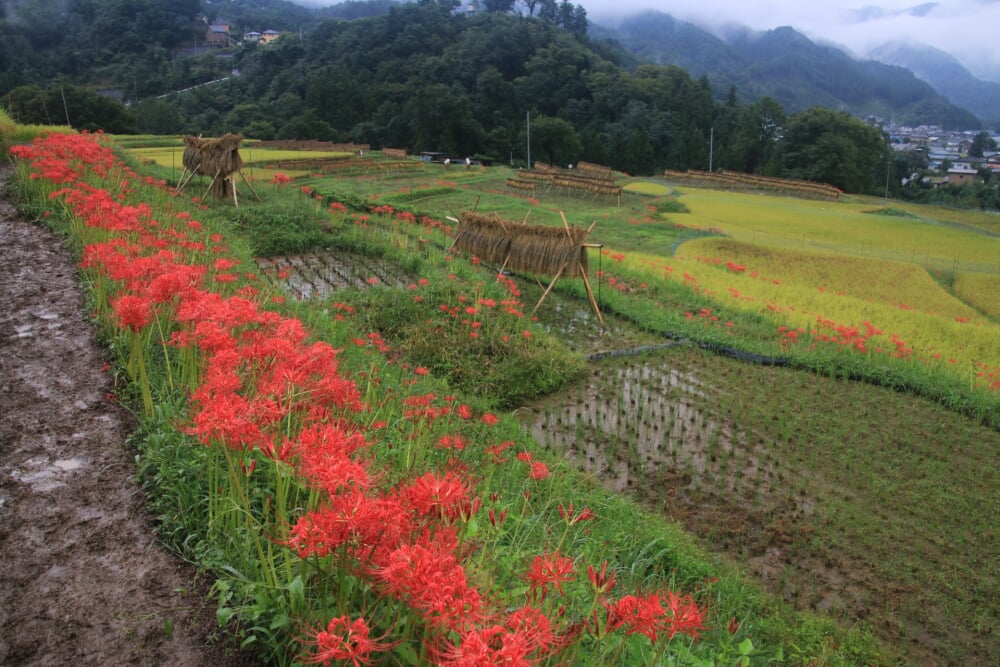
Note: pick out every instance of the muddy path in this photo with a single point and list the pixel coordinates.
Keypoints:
(83, 580)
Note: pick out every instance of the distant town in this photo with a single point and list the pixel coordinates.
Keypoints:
(947, 151)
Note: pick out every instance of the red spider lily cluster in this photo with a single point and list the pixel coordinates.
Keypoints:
(259, 390)
(866, 338)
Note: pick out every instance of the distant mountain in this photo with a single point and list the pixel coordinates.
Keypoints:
(948, 76)
(788, 66)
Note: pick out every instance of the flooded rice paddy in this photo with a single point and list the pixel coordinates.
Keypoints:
(788, 475)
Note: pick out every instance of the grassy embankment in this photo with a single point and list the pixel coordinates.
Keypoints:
(823, 285)
(679, 307)
(230, 442)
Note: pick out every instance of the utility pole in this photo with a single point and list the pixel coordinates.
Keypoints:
(65, 108)
(711, 147)
(888, 164)
(527, 117)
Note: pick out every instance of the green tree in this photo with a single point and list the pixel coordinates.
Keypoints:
(554, 140)
(66, 104)
(155, 116)
(833, 147)
(754, 143)
(530, 5)
(499, 6)
(981, 143)
(29, 105)
(573, 18)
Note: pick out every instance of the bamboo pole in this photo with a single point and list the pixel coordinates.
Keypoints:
(566, 226)
(209, 189)
(549, 289)
(182, 182)
(250, 185)
(590, 294)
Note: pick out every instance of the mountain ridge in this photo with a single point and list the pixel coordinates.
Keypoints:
(946, 74)
(785, 64)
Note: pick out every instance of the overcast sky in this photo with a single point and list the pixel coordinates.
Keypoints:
(967, 29)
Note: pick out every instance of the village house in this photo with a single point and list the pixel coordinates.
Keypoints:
(217, 34)
(963, 175)
(265, 37)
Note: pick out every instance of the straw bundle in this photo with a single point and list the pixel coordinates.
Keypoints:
(484, 236)
(595, 170)
(543, 168)
(218, 158)
(394, 153)
(534, 249)
(545, 250)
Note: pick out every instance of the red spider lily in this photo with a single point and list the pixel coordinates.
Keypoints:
(638, 615)
(684, 616)
(343, 639)
(526, 639)
(539, 471)
(547, 572)
(325, 454)
(354, 519)
(497, 518)
(451, 441)
(133, 312)
(567, 514)
(496, 451)
(430, 579)
(647, 615)
(601, 581)
(226, 420)
(433, 496)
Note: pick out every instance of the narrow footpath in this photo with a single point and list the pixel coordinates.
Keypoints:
(83, 580)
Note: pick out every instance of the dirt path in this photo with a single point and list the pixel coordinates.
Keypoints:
(82, 579)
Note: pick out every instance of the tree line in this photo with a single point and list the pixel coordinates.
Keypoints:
(430, 76)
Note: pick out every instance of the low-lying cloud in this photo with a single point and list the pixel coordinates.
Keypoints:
(964, 28)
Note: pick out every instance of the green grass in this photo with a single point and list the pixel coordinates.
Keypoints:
(863, 483)
(862, 495)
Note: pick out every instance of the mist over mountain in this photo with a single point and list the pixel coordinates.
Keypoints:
(966, 29)
(947, 75)
(785, 64)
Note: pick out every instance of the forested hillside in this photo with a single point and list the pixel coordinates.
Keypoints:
(422, 77)
(947, 75)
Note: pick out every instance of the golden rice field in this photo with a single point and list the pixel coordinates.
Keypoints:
(818, 292)
(980, 290)
(809, 264)
(647, 188)
(171, 156)
(14, 133)
(930, 236)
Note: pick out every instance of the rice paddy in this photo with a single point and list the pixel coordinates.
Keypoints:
(872, 505)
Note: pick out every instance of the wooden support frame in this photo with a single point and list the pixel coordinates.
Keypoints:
(536, 250)
(222, 155)
(583, 274)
